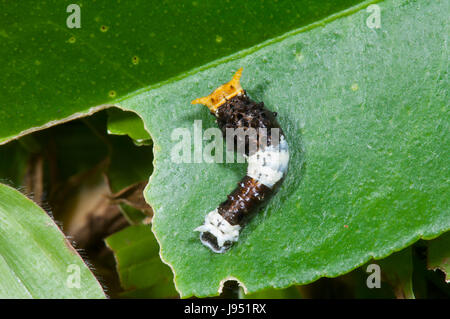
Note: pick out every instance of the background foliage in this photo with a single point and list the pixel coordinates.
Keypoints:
(365, 112)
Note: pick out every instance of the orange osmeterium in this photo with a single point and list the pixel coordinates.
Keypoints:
(222, 93)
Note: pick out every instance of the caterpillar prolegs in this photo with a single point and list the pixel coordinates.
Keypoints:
(267, 161)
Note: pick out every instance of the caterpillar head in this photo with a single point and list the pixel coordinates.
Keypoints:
(222, 93)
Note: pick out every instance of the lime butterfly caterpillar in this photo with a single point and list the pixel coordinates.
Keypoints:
(267, 161)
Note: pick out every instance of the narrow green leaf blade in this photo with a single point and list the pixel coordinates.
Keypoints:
(36, 261)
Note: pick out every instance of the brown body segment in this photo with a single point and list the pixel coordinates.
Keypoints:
(242, 201)
(240, 112)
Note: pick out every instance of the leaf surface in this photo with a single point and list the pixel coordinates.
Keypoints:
(362, 110)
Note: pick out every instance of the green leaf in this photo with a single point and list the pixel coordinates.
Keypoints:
(142, 273)
(363, 111)
(439, 255)
(51, 72)
(133, 215)
(36, 261)
(120, 173)
(368, 171)
(129, 164)
(127, 123)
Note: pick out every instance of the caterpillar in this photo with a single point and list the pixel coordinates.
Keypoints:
(267, 161)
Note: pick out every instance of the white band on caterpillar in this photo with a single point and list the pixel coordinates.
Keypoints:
(268, 165)
(222, 230)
